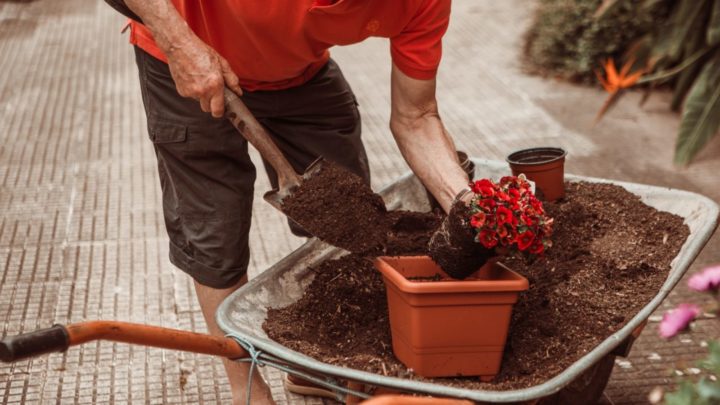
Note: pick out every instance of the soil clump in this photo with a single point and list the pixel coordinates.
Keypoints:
(454, 248)
(611, 255)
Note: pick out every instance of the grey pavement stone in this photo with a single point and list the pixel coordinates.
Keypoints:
(81, 227)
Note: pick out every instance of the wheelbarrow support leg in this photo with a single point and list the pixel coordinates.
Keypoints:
(59, 338)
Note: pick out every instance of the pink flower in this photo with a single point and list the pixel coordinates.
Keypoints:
(678, 319)
(706, 280)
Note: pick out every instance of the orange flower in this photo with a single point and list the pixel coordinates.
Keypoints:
(615, 82)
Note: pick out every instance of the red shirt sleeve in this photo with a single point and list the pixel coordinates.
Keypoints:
(417, 50)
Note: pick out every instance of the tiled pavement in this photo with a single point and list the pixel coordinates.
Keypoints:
(81, 232)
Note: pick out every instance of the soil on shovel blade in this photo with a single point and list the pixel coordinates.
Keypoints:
(338, 207)
(611, 255)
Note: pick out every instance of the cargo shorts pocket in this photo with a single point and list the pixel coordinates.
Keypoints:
(166, 132)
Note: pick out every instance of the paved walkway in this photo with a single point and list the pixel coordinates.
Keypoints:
(81, 230)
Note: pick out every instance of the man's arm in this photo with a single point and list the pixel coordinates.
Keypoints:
(422, 138)
(198, 71)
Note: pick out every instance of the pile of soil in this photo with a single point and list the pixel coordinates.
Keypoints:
(610, 256)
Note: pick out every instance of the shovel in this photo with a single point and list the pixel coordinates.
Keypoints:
(330, 202)
(243, 120)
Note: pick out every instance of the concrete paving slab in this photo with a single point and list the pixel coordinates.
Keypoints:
(81, 229)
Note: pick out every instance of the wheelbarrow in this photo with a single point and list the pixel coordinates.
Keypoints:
(242, 314)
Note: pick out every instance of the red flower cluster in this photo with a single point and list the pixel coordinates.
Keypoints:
(507, 215)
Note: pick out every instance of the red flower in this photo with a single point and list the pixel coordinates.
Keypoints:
(484, 187)
(537, 248)
(487, 204)
(514, 219)
(487, 238)
(537, 205)
(525, 239)
(478, 219)
(507, 180)
(504, 215)
(502, 232)
(508, 215)
(503, 196)
(528, 220)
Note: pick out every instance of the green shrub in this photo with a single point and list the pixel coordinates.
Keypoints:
(566, 39)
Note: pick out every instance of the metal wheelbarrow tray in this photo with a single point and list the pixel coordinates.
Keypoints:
(243, 313)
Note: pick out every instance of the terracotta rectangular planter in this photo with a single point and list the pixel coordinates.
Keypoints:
(449, 328)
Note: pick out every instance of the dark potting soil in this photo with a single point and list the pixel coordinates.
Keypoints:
(610, 256)
(338, 207)
(408, 233)
(454, 248)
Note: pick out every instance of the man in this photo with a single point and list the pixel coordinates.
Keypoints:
(275, 54)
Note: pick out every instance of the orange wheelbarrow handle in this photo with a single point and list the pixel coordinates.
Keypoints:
(58, 338)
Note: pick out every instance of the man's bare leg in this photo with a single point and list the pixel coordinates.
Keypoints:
(210, 299)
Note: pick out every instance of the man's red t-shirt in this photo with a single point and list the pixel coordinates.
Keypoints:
(276, 44)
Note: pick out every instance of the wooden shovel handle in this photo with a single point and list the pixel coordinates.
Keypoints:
(59, 338)
(243, 120)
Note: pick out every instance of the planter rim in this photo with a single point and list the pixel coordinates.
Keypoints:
(512, 281)
(559, 153)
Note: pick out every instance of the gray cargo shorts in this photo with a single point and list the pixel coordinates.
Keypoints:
(206, 174)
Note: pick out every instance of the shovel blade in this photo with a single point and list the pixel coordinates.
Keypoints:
(274, 198)
(314, 167)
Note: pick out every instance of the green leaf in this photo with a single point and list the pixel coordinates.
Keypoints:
(684, 81)
(708, 390)
(713, 31)
(701, 116)
(712, 363)
(695, 38)
(663, 75)
(694, 45)
(683, 26)
(685, 395)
